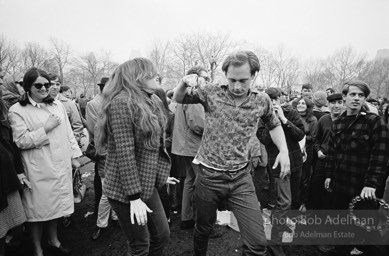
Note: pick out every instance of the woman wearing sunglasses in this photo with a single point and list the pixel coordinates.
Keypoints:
(42, 131)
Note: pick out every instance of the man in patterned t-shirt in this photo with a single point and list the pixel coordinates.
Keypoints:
(232, 113)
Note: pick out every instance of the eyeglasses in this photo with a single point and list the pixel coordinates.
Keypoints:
(40, 85)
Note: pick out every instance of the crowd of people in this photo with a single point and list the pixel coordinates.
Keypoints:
(198, 148)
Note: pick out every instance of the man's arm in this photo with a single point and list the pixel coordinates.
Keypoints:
(318, 136)
(294, 125)
(278, 137)
(91, 119)
(376, 172)
(75, 120)
(189, 91)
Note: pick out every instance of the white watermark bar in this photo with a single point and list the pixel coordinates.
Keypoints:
(329, 227)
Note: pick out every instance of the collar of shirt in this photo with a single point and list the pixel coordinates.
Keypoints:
(36, 104)
(251, 90)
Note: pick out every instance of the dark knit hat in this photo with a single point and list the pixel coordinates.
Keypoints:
(273, 92)
(319, 98)
(63, 88)
(335, 97)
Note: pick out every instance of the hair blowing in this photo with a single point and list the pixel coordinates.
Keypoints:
(146, 111)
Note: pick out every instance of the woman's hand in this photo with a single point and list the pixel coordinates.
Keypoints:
(24, 181)
(139, 209)
(172, 180)
(52, 122)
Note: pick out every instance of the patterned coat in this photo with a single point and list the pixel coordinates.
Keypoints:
(131, 170)
(358, 153)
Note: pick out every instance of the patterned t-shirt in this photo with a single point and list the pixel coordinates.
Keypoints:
(228, 127)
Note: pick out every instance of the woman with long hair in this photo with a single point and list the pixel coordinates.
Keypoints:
(11, 179)
(42, 131)
(132, 129)
(305, 107)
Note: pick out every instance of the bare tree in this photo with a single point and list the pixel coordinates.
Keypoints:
(33, 55)
(344, 65)
(9, 56)
(315, 74)
(79, 80)
(212, 49)
(108, 66)
(376, 74)
(185, 53)
(286, 69)
(89, 65)
(60, 53)
(160, 55)
(266, 76)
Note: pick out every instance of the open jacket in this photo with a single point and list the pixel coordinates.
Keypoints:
(132, 171)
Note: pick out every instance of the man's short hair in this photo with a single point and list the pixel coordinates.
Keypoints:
(54, 77)
(273, 92)
(364, 87)
(196, 70)
(307, 86)
(240, 58)
(63, 88)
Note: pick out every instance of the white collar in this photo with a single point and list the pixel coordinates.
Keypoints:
(34, 103)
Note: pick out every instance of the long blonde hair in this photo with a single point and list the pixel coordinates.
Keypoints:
(146, 112)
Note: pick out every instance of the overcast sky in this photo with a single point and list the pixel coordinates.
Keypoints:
(308, 28)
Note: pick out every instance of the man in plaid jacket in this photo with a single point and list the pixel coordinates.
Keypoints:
(358, 154)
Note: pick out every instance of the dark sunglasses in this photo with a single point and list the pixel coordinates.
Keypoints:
(40, 85)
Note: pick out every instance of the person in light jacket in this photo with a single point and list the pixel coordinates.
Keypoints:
(42, 131)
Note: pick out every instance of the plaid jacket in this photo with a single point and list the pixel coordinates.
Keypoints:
(131, 170)
(357, 154)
